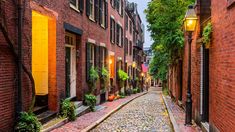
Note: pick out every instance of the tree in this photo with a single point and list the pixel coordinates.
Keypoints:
(165, 18)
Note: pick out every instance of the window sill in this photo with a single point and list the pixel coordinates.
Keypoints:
(91, 18)
(74, 8)
(102, 25)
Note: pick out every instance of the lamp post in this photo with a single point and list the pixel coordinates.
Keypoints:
(190, 22)
(142, 75)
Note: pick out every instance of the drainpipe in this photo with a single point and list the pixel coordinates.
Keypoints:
(20, 58)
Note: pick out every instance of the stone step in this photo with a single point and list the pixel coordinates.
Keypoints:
(82, 110)
(39, 109)
(46, 116)
(77, 104)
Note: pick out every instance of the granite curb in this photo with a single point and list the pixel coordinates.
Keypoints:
(173, 121)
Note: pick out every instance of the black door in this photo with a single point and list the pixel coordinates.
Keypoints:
(67, 70)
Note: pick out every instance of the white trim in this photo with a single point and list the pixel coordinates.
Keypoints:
(111, 53)
(119, 23)
(103, 44)
(112, 16)
(74, 7)
(91, 41)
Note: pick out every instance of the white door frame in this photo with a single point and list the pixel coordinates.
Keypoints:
(73, 64)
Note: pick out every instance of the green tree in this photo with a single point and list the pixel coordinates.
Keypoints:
(165, 18)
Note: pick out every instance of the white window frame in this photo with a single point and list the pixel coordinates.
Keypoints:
(92, 10)
(76, 8)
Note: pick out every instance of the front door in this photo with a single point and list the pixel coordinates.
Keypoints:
(68, 69)
(70, 64)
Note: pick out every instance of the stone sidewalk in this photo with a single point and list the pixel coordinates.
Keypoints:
(177, 115)
(89, 120)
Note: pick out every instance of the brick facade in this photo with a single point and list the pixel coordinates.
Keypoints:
(221, 66)
(65, 16)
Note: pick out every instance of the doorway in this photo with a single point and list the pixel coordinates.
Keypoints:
(70, 65)
(43, 60)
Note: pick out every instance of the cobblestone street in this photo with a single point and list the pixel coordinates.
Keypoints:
(146, 113)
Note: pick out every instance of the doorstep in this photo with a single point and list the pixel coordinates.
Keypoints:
(177, 117)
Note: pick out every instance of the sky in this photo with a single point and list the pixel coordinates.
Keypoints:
(142, 5)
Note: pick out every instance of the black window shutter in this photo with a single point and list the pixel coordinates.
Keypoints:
(88, 7)
(121, 36)
(106, 14)
(101, 9)
(88, 60)
(101, 61)
(111, 30)
(122, 5)
(117, 34)
(117, 68)
(106, 57)
(81, 5)
(96, 10)
(97, 56)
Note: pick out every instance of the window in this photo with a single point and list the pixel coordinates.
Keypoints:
(77, 5)
(126, 46)
(130, 27)
(92, 9)
(119, 35)
(103, 57)
(130, 48)
(112, 30)
(126, 22)
(118, 5)
(112, 2)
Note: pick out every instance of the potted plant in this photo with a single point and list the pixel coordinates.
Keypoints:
(28, 122)
(206, 35)
(123, 76)
(104, 77)
(93, 78)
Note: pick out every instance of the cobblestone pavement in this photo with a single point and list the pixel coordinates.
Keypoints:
(86, 120)
(146, 113)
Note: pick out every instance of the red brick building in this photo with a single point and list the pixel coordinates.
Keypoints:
(212, 74)
(62, 40)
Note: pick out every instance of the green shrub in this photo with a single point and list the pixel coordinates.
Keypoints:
(135, 91)
(138, 90)
(68, 110)
(207, 34)
(90, 100)
(123, 76)
(93, 77)
(28, 122)
(104, 76)
(122, 95)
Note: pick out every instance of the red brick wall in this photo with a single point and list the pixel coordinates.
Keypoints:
(119, 51)
(222, 67)
(8, 67)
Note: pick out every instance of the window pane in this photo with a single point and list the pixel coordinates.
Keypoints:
(73, 2)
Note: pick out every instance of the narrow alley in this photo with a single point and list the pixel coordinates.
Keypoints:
(146, 113)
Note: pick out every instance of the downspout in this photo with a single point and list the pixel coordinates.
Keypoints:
(20, 58)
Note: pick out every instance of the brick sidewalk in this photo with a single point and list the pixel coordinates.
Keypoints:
(86, 120)
(179, 117)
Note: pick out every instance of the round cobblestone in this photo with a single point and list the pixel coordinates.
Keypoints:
(144, 114)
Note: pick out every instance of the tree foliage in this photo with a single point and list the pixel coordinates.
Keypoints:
(165, 18)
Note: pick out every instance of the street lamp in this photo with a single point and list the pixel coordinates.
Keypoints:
(142, 75)
(190, 22)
